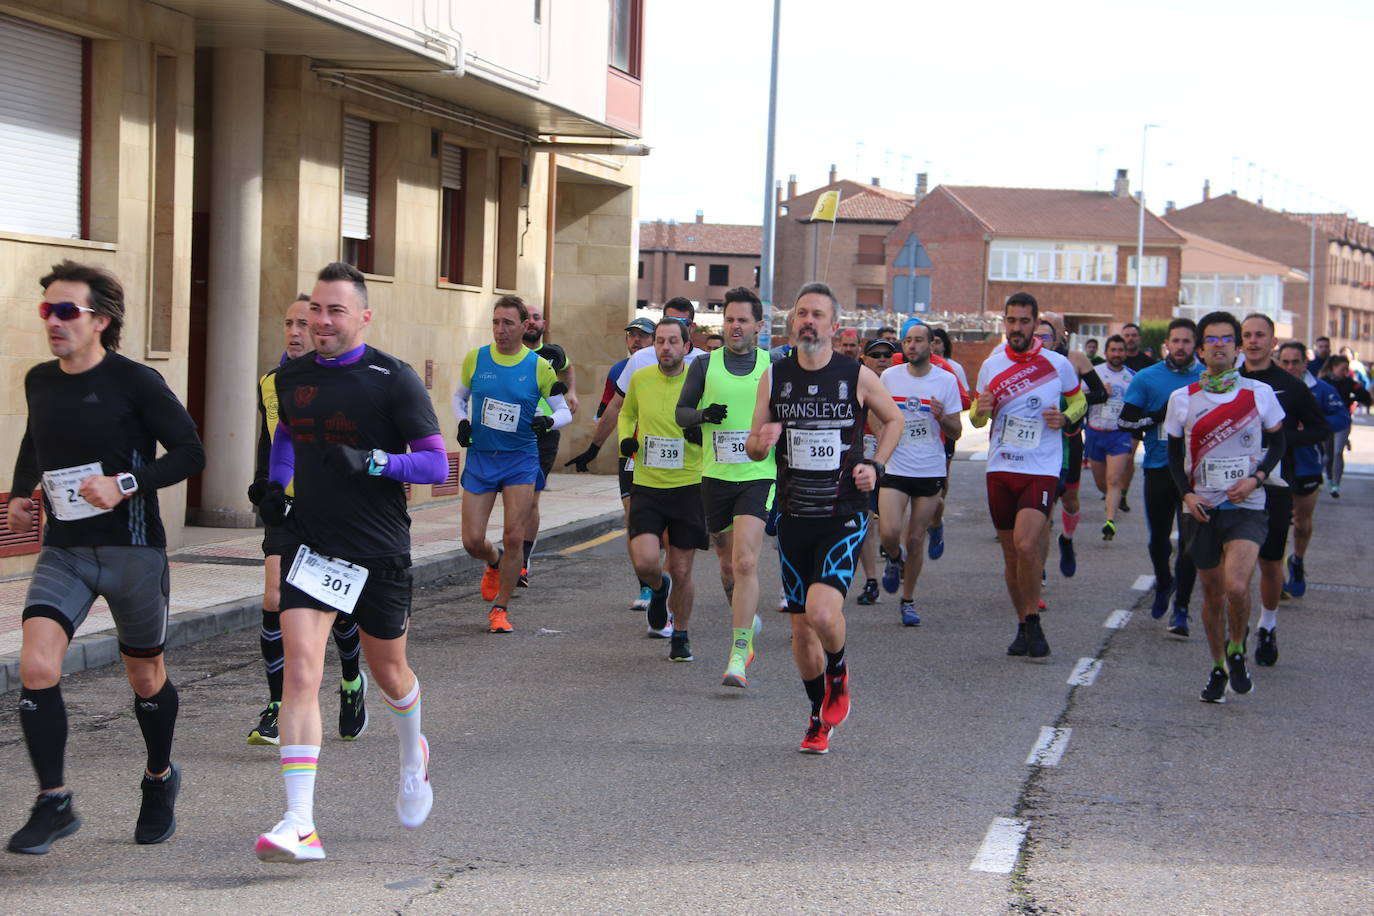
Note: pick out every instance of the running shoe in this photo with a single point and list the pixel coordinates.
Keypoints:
(1036, 644)
(642, 602)
(1164, 590)
(524, 580)
(51, 818)
(1215, 691)
(935, 546)
(157, 819)
(1123, 506)
(1296, 585)
(870, 593)
(415, 798)
(1068, 560)
(782, 601)
(1019, 645)
(835, 706)
(736, 670)
(266, 732)
(817, 739)
(1335, 491)
(1109, 531)
(665, 633)
(1241, 681)
(498, 621)
(290, 841)
(658, 605)
(1178, 622)
(491, 580)
(909, 616)
(353, 710)
(758, 628)
(680, 648)
(1266, 647)
(892, 574)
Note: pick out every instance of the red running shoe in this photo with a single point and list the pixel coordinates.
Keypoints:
(817, 740)
(835, 706)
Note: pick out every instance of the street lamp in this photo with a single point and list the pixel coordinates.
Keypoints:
(770, 207)
(1140, 224)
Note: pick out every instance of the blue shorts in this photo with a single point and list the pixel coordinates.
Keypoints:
(488, 472)
(1098, 444)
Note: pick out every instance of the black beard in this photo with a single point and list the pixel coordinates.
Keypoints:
(531, 339)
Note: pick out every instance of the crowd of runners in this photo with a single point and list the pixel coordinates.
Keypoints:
(836, 448)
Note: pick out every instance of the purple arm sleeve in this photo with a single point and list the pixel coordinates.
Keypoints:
(282, 463)
(427, 462)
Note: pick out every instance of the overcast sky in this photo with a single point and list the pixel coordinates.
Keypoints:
(1259, 96)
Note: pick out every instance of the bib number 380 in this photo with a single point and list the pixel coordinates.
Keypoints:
(337, 583)
(814, 449)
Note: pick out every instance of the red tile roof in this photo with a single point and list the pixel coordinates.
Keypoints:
(703, 238)
(1048, 213)
(870, 206)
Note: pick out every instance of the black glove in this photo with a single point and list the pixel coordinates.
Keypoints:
(628, 446)
(714, 413)
(256, 490)
(541, 424)
(346, 459)
(465, 433)
(692, 434)
(585, 458)
(273, 504)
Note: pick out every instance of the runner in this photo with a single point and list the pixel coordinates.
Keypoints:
(555, 356)
(817, 399)
(505, 382)
(1321, 352)
(666, 495)
(713, 342)
(943, 347)
(1109, 447)
(1090, 351)
(1144, 408)
(638, 335)
(1136, 358)
(717, 399)
(1336, 373)
(95, 420)
(1019, 390)
(1303, 424)
(347, 415)
(928, 398)
(352, 680)
(877, 357)
(1216, 430)
(849, 343)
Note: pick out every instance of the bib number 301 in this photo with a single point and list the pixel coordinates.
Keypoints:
(337, 583)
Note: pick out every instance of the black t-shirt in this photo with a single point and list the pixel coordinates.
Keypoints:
(817, 401)
(115, 413)
(376, 402)
(1138, 362)
(1300, 408)
(554, 355)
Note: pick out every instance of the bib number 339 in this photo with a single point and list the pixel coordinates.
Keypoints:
(814, 449)
(337, 583)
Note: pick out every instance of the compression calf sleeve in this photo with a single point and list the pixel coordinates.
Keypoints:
(43, 718)
(273, 658)
(348, 642)
(157, 718)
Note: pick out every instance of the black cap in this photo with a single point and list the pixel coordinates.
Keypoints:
(878, 344)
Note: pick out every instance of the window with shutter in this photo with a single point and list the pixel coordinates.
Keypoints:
(358, 186)
(454, 207)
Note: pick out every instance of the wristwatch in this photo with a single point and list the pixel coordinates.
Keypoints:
(377, 461)
(878, 467)
(127, 483)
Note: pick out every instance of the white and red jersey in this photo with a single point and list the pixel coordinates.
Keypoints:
(921, 450)
(1104, 417)
(1222, 436)
(1025, 385)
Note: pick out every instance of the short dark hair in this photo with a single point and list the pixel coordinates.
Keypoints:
(887, 330)
(1022, 299)
(718, 337)
(1130, 324)
(1294, 345)
(1263, 317)
(1090, 340)
(672, 322)
(944, 338)
(340, 270)
(1181, 323)
(302, 297)
(681, 304)
(513, 302)
(1320, 339)
(1218, 318)
(820, 289)
(107, 294)
(1115, 338)
(744, 294)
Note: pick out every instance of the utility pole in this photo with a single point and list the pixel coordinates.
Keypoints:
(1140, 224)
(770, 208)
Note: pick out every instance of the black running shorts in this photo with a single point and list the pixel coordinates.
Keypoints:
(383, 608)
(676, 510)
(134, 581)
(725, 499)
(818, 551)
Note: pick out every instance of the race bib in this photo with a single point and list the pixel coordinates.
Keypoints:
(335, 582)
(1109, 412)
(729, 446)
(63, 489)
(500, 415)
(917, 433)
(1022, 433)
(1224, 473)
(870, 446)
(662, 452)
(814, 449)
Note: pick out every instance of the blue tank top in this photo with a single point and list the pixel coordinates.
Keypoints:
(504, 401)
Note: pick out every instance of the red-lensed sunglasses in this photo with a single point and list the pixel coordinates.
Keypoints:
(65, 311)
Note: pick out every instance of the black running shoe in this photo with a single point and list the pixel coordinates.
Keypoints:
(1036, 643)
(1215, 691)
(1108, 530)
(679, 649)
(353, 710)
(1266, 647)
(266, 732)
(157, 816)
(1241, 682)
(52, 818)
(1019, 646)
(1122, 505)
(657, 614)
(1068, 560)
(870, 593)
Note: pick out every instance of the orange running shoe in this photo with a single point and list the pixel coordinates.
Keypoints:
(817, 740)
(491, 581)
(497, 621)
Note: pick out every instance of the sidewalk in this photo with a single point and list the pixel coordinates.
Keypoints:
(217, 576)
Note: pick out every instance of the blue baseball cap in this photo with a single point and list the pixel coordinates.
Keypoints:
(641, 324)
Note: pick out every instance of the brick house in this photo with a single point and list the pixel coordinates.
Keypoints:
(698, 261)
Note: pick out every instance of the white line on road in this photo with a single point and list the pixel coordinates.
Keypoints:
(1144, 583)
(1001, 846)
(981, 455)
(1117, 619)
(1085, 672)
(1049, 747)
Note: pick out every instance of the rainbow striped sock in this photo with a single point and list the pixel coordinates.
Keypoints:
(405, 712)
(298, 765)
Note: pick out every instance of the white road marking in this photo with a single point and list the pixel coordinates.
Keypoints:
(1049, 747)
(1144, 583)
(1001, 846)
(981, 455)
(1085, 672)
(1117, 619)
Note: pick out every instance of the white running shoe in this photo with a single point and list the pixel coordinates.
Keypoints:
(666, 632)
(416, 795)
(290, 841)
(782, 601)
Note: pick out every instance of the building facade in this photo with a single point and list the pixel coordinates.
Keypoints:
(1217, 276)
(698, 261)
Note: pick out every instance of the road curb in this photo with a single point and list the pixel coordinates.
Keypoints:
(100, 649)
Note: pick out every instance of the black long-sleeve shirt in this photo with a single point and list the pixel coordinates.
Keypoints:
(1303, 420)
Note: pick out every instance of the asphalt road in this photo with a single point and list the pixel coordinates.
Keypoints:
(577, 770)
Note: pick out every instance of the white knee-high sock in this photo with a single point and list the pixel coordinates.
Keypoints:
(298, 765)
(405, 712)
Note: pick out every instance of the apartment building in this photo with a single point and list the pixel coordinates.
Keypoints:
(698, 261)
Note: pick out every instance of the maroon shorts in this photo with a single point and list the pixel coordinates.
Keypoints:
(1009, 493)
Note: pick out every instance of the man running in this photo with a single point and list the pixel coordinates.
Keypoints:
(500, 424)
(815, 401)
(352, 681)
(555, 356)
(1090, 351)
(347, 415)
(95, 421)
(1107, 445)
(928, 399)
(1217, 456)
(1136, 358)
(1303, 424)
(1144, 407)
(943, 347)
(718, 399)
(878, 358)
(638, 335)
(666, 495)
(1019, 390)
(849, 343)
(1321, 352)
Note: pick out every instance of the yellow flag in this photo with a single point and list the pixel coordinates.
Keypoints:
(826, 205)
